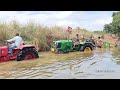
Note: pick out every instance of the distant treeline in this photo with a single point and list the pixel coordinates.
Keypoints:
(114, 27)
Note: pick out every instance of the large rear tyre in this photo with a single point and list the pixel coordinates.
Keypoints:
(27, 53)
(86, 48)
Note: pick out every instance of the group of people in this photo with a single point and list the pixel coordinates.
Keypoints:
(97, 43)
(78, 39)
(17, 41)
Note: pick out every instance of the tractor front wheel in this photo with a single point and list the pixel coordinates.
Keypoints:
(27, 53)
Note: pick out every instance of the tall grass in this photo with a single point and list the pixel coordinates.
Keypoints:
(38, 35)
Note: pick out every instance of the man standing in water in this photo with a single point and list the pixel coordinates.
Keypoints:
(16, 42)
(99, 42)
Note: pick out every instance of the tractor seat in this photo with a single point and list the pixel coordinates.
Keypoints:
(14, 48)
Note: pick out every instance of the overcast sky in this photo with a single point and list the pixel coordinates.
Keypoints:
(90, 20)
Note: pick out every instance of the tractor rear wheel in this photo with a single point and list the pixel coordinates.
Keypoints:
(27, 53)
(86, 47)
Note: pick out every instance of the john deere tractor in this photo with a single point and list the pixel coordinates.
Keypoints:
(65, 46)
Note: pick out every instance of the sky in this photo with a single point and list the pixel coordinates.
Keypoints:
(90, 20)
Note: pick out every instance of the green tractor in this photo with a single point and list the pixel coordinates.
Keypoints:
(65, 46)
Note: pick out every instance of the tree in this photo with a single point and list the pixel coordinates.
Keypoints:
(107, 28)
(116, 23)
(113, 27)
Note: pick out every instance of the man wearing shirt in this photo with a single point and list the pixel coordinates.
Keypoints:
(17, 42)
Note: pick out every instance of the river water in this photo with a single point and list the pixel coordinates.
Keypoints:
(98, 64)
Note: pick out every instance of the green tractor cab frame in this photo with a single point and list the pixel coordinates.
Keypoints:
(66, 46)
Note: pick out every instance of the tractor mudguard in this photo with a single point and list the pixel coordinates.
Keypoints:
(25, 46)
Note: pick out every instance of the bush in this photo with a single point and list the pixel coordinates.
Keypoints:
(38, 35)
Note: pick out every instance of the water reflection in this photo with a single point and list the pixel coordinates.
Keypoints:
(116, 55)
(101, 63)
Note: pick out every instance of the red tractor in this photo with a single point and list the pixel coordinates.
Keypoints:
(23, 52)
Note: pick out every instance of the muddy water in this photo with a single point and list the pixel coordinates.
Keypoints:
(100, 63)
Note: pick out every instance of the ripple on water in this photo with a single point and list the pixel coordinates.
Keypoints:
(97, 64)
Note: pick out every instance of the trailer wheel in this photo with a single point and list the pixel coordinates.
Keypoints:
(27, 53)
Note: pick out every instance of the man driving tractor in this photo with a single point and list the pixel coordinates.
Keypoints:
(16, 41)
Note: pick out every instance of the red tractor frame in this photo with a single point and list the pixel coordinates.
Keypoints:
(23, 52)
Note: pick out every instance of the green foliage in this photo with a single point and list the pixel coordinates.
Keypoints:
(113, 27)
(38, 35)
(108, 28)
